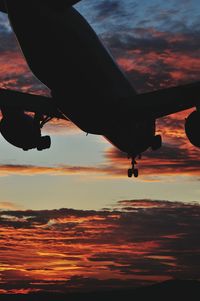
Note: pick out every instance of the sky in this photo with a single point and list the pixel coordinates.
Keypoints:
(156, 43)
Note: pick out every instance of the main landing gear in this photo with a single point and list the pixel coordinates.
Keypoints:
(155, 144)
(133, 171)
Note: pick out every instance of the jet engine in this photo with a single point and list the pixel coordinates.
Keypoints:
(23, 131)
(192, 128)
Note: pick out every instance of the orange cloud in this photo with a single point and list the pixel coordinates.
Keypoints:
(31, 170)
(182, 67)
(15, 74)
(61, 127)
(9, 206)
(137, 242)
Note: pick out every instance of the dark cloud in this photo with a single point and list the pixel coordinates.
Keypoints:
(170, 159)
(160, 45)
(107, 9)
(136, 242)
(154, 59)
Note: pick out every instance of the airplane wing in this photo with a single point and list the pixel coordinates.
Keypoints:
(164, 102)
(153, 105)
(29, 102)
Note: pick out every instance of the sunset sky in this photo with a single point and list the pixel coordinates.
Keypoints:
(136, 243)
(156, 43)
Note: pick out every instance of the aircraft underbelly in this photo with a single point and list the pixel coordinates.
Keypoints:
(134, 138)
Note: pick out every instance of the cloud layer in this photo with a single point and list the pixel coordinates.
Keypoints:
(137, 242)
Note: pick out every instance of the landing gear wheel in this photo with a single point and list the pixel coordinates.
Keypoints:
(157, 142)
(130, 172)
(135, 172)
(44, 143)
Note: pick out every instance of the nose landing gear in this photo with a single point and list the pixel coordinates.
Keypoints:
(133, 171)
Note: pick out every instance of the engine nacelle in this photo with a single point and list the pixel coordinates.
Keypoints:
(23, 131)
(192, 128)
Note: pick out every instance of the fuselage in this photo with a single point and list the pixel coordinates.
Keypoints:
(64, 52)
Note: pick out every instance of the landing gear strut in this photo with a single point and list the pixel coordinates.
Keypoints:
(133, 171)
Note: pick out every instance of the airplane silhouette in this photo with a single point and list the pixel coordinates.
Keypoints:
(87, 86)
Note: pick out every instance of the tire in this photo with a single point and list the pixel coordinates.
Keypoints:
(136, 173)
(44, 143)
(130, 173)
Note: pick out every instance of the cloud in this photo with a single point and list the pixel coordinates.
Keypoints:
(31, 170)
(15, 73)
(169, 160)
(107, 9)
(9, 206)
(154, 59)
(133, 243)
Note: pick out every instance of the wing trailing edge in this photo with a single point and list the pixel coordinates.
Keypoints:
(167, 101)
(29, 102)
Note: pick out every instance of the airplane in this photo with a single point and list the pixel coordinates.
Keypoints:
(87, 86)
